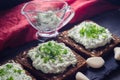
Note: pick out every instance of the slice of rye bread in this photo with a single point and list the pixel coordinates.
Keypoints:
(23, 59)
(63, 37)
(11, 61)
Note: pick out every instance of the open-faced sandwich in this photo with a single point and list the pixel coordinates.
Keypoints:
(14, 71)
(90, 35)
(51, 61)
(90, 38)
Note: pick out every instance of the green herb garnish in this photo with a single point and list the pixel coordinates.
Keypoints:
(9, 66)
(91, 30)
(37, 55)
(18, 71)
(2, 72)
(52, 50)
(10, 78)
(5, 70)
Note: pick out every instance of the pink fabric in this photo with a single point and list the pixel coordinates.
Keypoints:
(15, 30)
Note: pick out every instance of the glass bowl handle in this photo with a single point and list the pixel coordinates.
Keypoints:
(67, 17)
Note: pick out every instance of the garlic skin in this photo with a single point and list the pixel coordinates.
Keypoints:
(81, 76)
(117, 53)
(95, 62)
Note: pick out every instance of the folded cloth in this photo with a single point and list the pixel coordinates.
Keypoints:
(85, 9)
(15, 30)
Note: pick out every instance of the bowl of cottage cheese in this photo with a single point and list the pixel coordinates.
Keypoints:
(47, 16)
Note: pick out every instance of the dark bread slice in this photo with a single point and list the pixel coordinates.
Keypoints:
(63, 37)
(27, 63)
(11, 61)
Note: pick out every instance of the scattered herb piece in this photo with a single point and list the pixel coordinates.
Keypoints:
(2, 72)
(10, 78)
(9, 66)
(17, 71)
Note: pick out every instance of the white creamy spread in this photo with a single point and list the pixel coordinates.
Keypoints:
(52, 57)
(48, 20)
(90, 35)
(13, 71)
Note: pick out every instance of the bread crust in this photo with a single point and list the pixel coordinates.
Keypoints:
(63, 37)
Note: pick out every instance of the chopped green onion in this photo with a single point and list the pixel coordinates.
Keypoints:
(17, 71)
(2, 72)
(52, 50)
(37, 55)
(91, 30)
(10, 78)
(9, 66)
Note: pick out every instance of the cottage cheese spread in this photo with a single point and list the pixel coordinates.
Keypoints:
(13, 71)
(52, 57)
(47, 21)
(90, 35)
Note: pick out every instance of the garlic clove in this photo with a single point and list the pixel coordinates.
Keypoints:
(95, 62)
(80, 76)
(117, 53)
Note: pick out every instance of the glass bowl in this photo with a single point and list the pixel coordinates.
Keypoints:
(47, 16)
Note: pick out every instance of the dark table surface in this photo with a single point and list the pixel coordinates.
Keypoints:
(110, 20)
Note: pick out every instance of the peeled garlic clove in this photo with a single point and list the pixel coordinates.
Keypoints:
(80, 76)
(117, 53)
(95, 62)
